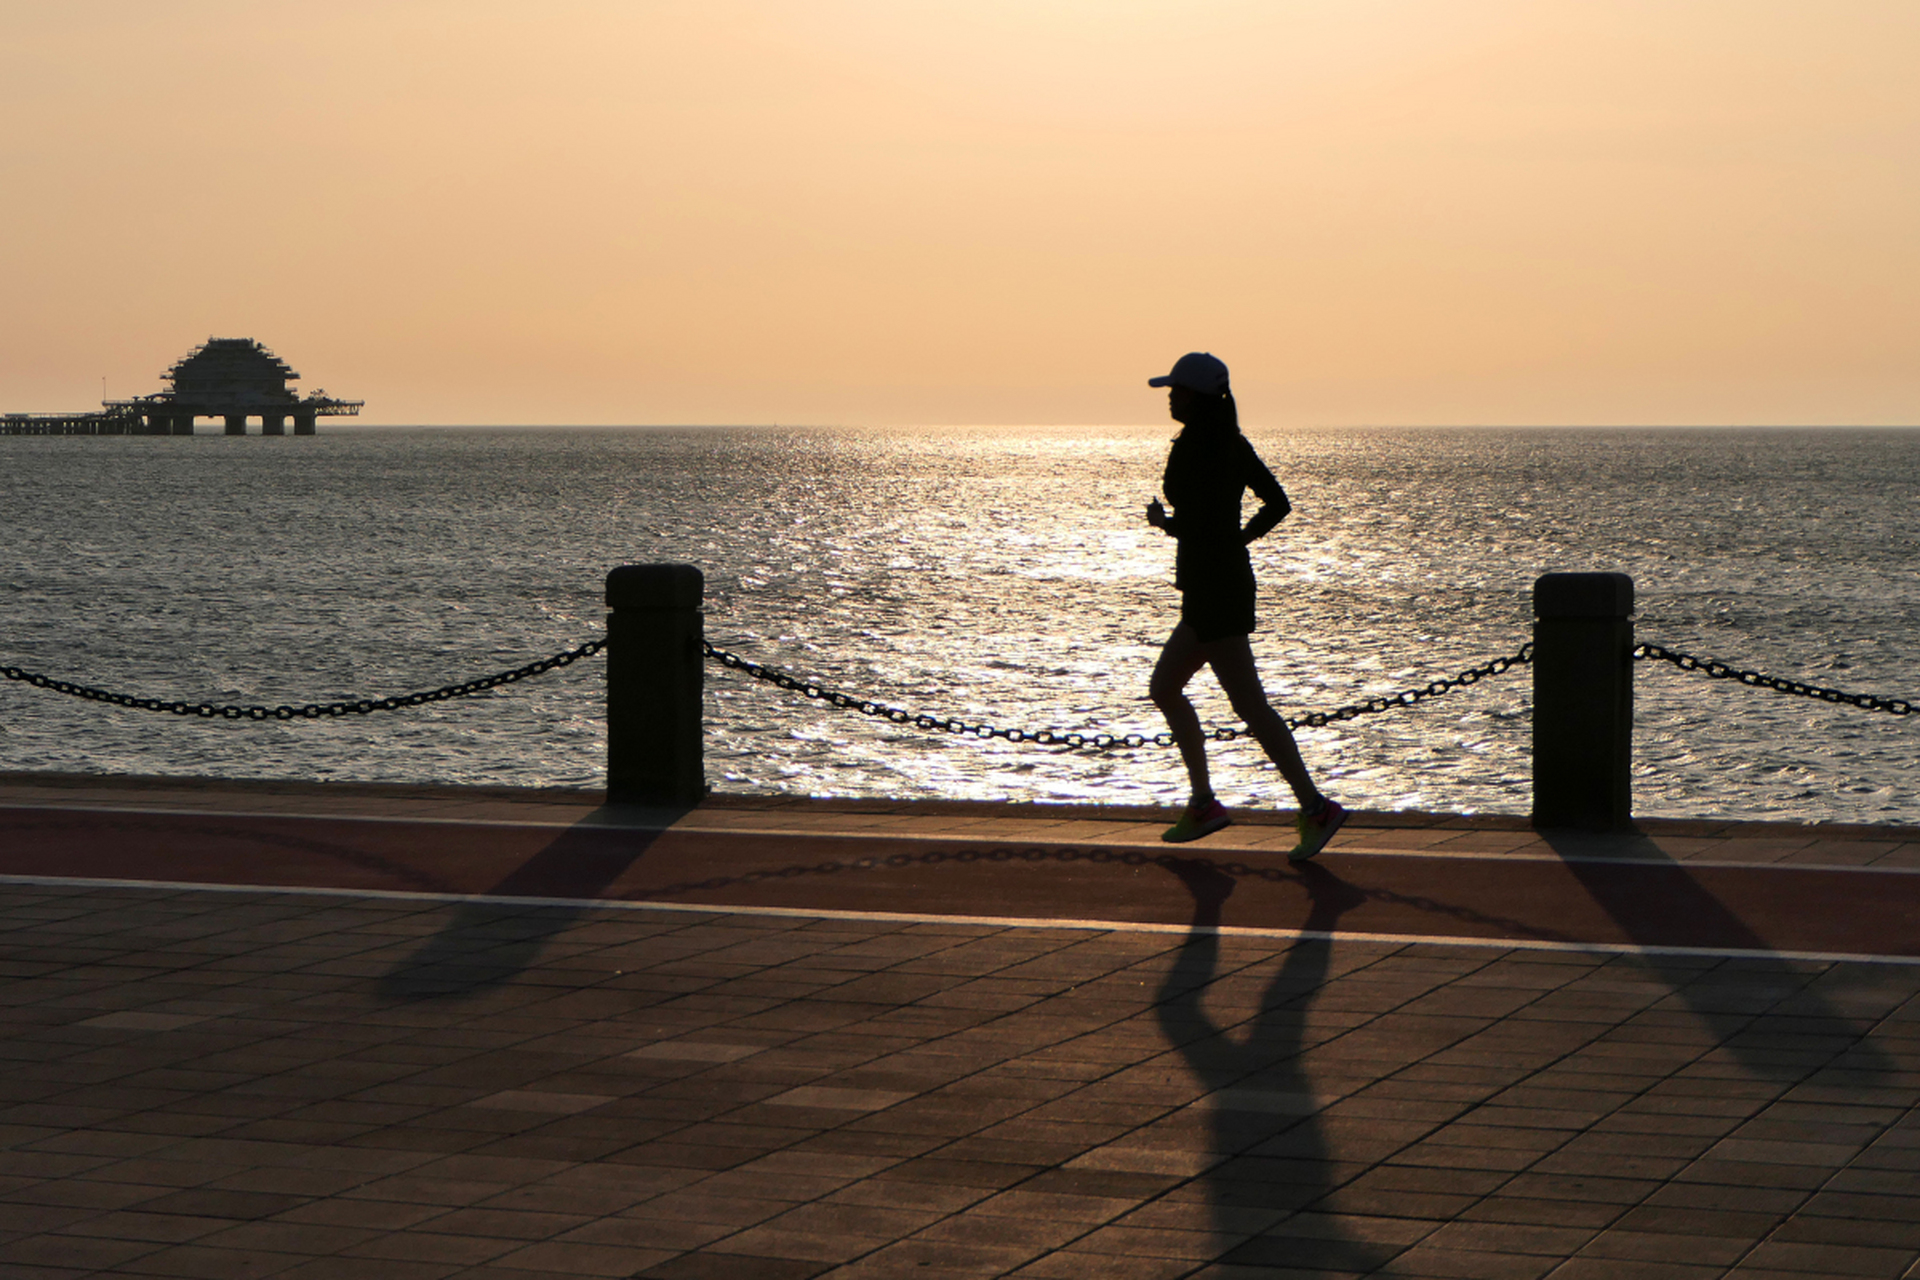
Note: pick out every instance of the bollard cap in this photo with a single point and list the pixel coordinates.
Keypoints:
(655, 586)
(1583, 595)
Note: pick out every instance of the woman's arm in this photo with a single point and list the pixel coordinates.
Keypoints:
(1273, 499)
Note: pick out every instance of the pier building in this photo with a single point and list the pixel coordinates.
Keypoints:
(233, 380)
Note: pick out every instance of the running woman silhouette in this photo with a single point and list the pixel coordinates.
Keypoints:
(1210, 465)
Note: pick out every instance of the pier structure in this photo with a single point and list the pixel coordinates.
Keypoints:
(234, 380)
(94, 423)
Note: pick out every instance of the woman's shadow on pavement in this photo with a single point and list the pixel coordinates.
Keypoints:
(1278, 1162)
(1263, 1106)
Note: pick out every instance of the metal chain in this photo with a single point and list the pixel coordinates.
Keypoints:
(311, 710)
(1071, 739)
(1407, 697)
(1098, 741)
(1721, 671)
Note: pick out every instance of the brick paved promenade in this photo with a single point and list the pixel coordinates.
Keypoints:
(515, 1035)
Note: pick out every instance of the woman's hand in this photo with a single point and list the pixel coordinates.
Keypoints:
(1156, 514)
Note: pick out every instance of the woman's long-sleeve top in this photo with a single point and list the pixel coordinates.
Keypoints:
(1207, 472)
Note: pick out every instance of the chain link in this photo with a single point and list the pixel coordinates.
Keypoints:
(1407, 697)
(1722, 671)
(311, 710)
(1076, 740)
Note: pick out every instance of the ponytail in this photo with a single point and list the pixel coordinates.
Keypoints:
(1216, 413)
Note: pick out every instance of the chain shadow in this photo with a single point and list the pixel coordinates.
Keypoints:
(1263, 1108)
(488, 944)
(215, 834)
(1733, 997)
(1506, 926)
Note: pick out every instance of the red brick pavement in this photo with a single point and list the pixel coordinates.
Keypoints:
(390, 1082)
(1853, 891)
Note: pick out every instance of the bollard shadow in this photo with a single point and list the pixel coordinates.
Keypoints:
(488, 944)
(1263, 1110)
(1731, 996)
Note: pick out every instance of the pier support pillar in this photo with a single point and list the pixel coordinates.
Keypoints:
(1583, 701)
(655, 665)
(273, 424)
(303, 424)
(236, 424)
(183, 425)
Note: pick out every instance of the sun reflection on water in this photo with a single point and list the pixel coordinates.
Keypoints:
(991, 575)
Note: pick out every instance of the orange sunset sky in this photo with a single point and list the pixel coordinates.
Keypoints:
(915, 211)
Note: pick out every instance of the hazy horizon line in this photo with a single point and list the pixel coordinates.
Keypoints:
(1112, 426)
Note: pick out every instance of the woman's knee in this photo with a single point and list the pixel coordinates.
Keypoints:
(1257, 713)
(1168, 694)
(1168, 684)
(1246, 697)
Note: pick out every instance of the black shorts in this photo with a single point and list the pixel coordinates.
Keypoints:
(1218, 604)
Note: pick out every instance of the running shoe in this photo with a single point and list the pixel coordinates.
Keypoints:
(1316, 831)
(1197, 821)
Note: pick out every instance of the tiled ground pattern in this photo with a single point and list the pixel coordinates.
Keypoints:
(235, 1085)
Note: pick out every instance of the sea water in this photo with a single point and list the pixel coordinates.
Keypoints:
(1001, 575)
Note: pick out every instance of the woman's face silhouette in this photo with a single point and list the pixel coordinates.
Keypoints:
(1179, 402)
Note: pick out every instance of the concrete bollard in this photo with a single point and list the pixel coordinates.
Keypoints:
(1583, 701)
(655, 665)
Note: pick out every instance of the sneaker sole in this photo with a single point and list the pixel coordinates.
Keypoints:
(1168, 837)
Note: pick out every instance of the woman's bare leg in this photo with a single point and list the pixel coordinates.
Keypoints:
(1179, 659)
(1232, 663)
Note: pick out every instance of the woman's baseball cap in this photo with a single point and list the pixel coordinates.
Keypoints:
(1196, 371)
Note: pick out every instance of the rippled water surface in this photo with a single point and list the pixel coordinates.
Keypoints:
(997, 574)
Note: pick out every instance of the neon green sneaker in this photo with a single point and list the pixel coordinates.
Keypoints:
(1315, 832)
(1197, 821)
